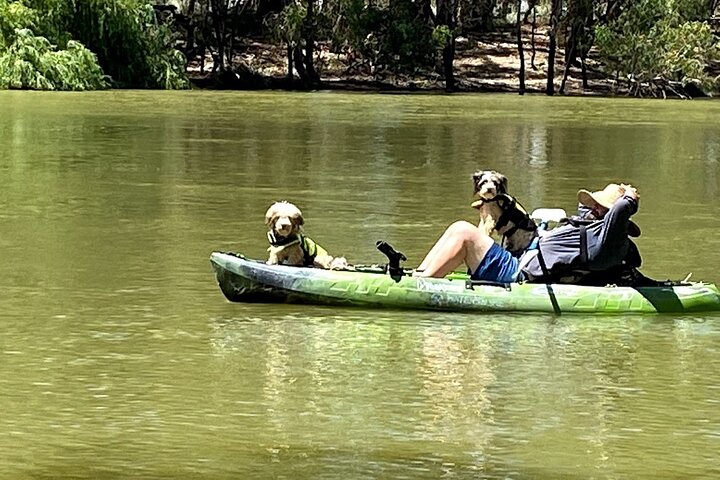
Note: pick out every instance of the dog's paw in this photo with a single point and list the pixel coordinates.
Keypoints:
(486, 227)
(273, 258)
(338, 263)
(322, 261)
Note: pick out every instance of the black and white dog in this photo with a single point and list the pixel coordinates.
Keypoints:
(500, 212)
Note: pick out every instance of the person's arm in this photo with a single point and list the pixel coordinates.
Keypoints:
(616, 220)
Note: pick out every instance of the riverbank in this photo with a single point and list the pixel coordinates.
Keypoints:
(482, 64)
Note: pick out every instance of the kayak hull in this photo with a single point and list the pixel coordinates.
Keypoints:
(249, 281)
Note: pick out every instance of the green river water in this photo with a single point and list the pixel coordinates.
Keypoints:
(121, 359)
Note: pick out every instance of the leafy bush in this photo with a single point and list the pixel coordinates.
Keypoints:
(128, 44)
(32, 62)
(653, 40)
(131, 47)
(390, 36)
(287, 25)
(14, 16)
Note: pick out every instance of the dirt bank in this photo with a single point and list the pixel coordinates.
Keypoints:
(483, 64)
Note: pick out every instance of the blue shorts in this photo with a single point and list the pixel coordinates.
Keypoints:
(498, 265)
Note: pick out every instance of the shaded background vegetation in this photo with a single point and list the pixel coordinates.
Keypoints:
(649, 46)
(86, 44)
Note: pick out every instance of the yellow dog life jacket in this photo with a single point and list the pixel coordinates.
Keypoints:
(311, 250)
(309, 247)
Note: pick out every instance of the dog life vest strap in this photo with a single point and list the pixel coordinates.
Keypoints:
(282, 241)
(512, 213)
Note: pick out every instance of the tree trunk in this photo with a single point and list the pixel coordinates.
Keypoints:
(521, 50)
(425, 12)
(532, 39)
(568, 62)
(571, 40)
(579, 40)
(613, 10)
(190, 37)
(556, 8)
(531, 9)
(448, 58)
(487, 7)
(446, 15)
(310, 43)
(219, 16)
(289, 75)
(300, 66)
(233, 31)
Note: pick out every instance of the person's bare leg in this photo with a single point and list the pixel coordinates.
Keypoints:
(447, 236)
(461, 242)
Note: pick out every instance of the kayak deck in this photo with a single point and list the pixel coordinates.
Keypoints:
(244, 280)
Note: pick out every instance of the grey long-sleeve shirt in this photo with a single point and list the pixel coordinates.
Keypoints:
(607, 244)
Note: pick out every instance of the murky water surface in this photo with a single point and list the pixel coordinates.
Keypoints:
(119, 357)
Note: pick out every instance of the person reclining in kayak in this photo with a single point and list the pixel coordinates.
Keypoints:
(591, 209)
(599, 246)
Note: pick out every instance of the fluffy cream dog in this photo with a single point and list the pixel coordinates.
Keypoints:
(288, 244)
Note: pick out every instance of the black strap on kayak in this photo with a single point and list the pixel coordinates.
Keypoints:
(394, 258)
(546, 273)
(583, 246)
(469, 284)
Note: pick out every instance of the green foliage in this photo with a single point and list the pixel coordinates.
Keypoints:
(442, 35)
(690, 10)
(287, 25)
(131, 47)
(390, 36)
(32, 62)
(52, 19)
(689, 47)
(14, 16)
(652, 39)
(127, 42)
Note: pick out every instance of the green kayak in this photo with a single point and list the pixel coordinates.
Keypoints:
(245, 280)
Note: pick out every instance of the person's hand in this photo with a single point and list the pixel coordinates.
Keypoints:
(630, 191)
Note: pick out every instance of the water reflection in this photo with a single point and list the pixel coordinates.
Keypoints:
(591, 386)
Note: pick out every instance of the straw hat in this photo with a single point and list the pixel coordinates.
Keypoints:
(606, 198)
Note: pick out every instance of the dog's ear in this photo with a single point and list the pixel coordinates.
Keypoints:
(295, 214)
(476, 177)
(502, 183)
(297, 222)
(270, 215)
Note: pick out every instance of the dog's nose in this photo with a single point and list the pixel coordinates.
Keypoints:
(283, 223)
(487, 188)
